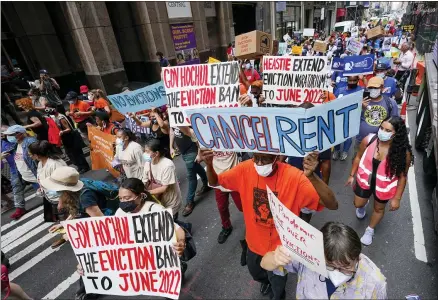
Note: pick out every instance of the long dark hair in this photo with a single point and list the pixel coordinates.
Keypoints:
(44, 149)
(136, 186)
(396, 158)
(156, 146)
(127, 132)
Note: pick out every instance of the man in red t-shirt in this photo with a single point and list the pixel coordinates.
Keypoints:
(294, 188)
(251, 74)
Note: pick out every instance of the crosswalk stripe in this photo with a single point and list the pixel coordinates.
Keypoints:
(17, 232)
(62, 287)
(26, 216)
(12, 243)
(32, 262)
(29, 249)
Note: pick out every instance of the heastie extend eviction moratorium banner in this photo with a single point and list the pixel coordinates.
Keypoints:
(294, 79)
(200, 86)
(286, 131)
(304, 242)
(127, 255)
(141, 99)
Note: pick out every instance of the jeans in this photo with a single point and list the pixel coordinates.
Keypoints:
(278, 283)
(18, 186)
(222, 200)
(193, 168)
(347, 145)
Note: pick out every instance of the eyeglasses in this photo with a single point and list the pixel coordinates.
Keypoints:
(345, 271)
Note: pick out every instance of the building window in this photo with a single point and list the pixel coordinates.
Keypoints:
(288, 20)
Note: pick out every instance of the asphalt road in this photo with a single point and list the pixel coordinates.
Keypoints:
(215, 273)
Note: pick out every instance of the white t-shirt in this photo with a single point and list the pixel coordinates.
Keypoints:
(406, 59)
(132, 160)
(224, 161)
(24, 170)
(45, 171)
(164, 173)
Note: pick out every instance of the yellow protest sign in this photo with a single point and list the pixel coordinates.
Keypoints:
(212, 60)
(297, 50)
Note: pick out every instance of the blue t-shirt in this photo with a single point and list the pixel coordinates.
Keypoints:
(297, 162)
(390, 87)
(164, 62)
(90, 198)
(340, 80)
(345, 91)
(374, 115)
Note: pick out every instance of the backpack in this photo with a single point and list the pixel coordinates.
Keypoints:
(54, 131)
(109, 190)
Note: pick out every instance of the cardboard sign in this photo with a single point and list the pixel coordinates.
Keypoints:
(375, 32)
(354, 47)
(294, 79)
(197, 86)
(304, 241)
(297, 50)
(127, 255)
(320, 46)
(359, 65)
(101, 150)
(279, 131)
(141, 99)
(386, 44)
(308, 32)
(212, 60)
(253, 44)
(338, 64)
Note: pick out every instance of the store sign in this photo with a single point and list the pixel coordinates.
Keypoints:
(179, 9)
(210, 9)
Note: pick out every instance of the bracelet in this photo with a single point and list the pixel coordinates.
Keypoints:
(351, 175)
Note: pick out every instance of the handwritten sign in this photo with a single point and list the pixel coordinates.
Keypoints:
(354, 46)
(291, 131)
(141, 99)
(128, 255)
(294, 79)
(304, 242)
(101, 150)
(297, 50)
(198, 86)
(387, 44)
(309, 32)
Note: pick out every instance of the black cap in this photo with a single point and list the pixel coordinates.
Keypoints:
(44, 71)
(71, 96)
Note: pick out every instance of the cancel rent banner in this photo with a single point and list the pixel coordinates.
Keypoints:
(304, 242)
(200, 86)
(127, 255)
(290, 131)
(294, 79)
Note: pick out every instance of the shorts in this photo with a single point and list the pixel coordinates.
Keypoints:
(360, 192)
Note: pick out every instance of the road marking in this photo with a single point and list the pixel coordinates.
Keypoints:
(417, 224)
(30, 263)
(17, 232)
(9, 245)
(26, 216)
(29, 249)
(62, 287)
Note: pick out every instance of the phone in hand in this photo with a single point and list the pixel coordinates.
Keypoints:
(366, 94)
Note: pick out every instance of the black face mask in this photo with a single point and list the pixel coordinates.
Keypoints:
(128, 206)
(352, 85)
(154, 121)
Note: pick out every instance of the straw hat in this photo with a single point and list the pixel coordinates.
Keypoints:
(63, 179)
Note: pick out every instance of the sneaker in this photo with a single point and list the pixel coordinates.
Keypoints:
(223, 235)
(265, 288)
(188, 209)
(335, 155)
(19, 212)
(344, 156)
(367, 237)
(203, 190)
(362, 211)
(58, 243)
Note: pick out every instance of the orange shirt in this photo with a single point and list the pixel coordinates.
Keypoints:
(109, 129)
(101, 103)
(290, 185)
(328, 97)
(79, 106)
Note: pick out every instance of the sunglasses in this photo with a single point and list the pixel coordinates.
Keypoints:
(49, 110)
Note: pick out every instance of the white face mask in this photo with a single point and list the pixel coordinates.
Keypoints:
(119, 141)
(265, 170)
(384, 136)
(338, 278)
(375, 93)
(90, 97)
(381, 75)
(248, 66)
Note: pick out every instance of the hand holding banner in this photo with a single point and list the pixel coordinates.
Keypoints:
(127, 255)
(141, 99)
(304, 242)
(290, 131)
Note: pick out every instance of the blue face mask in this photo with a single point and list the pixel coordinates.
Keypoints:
(147, 157)
(11, 139)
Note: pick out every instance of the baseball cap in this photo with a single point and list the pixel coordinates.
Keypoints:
(375, 82)
(14, 129)
(83, 89)
(44, 71)
(382, 66)
(71, 95)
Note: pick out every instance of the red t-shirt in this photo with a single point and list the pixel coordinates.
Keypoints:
(252, 75)
(290, 185)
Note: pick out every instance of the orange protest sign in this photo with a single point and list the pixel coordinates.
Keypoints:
(101, 150)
